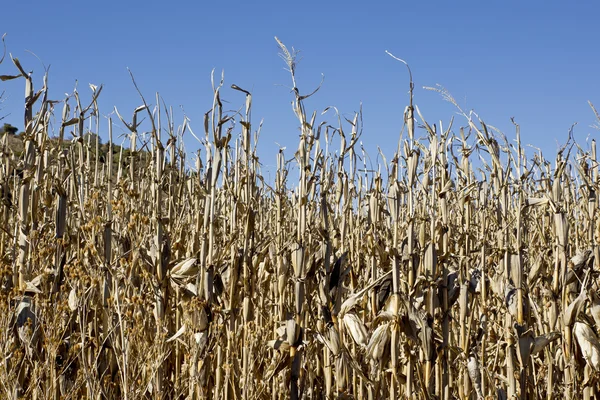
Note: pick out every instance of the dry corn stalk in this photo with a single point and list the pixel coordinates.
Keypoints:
(349, 281)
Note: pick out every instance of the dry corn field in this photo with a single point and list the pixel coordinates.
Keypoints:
(458, 269)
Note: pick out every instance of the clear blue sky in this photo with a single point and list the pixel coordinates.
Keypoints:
(535, 61)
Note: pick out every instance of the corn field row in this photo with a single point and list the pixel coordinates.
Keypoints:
(459, 269)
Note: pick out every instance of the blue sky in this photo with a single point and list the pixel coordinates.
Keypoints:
(535, 61)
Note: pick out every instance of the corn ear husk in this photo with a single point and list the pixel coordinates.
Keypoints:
(542, 341)
(378, 342)
(357, 329)
(475, 375)
(588, 343)
(185, 269)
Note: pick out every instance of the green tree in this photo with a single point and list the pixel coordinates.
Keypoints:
(8, 128)
(91, 138)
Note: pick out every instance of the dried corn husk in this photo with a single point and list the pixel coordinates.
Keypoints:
(28, 325)
(357, 329)
(378, 342)
(185, 269)
(542, 341)
(475, 375)
(292, 332)
(73, 300)
(595, 309)
(588, 343)
(281, 345)
(577, 265)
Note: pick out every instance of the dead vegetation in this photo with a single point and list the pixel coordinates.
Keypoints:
(460, 270)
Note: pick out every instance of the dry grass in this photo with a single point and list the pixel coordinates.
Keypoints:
(463, 271)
